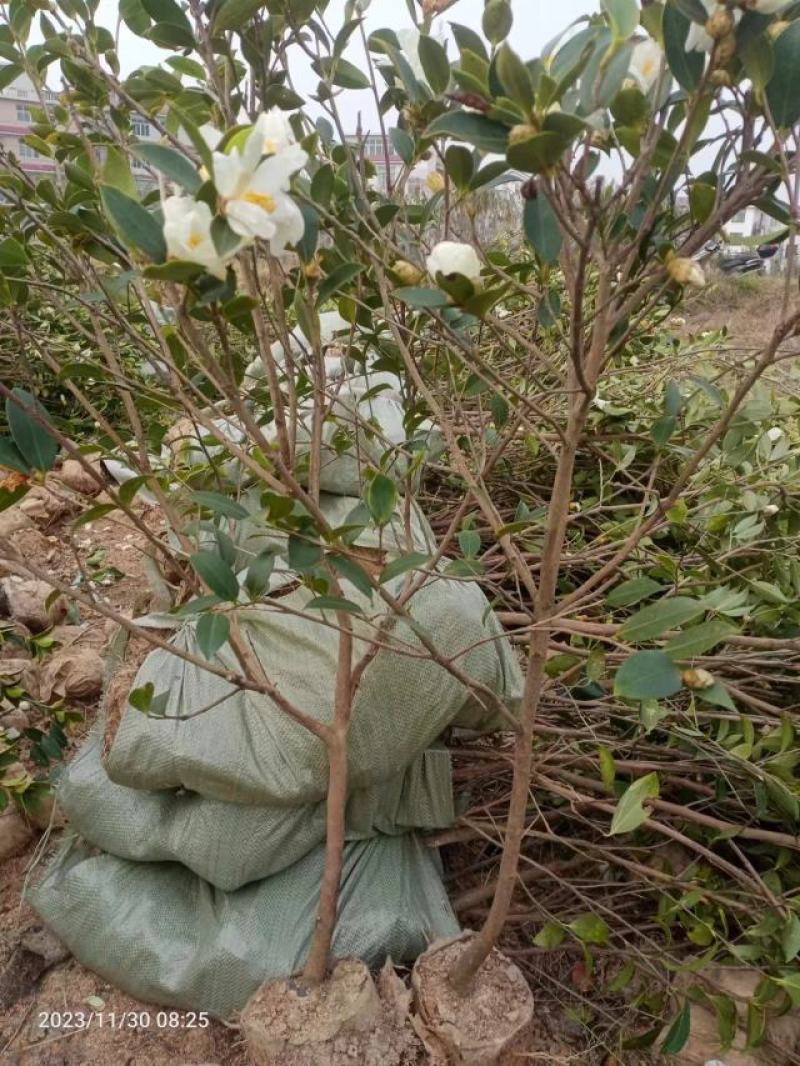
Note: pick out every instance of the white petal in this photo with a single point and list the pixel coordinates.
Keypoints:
(249, 220)
(229, 174)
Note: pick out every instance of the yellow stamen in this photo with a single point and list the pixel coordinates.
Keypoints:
(195, 239)
(270, 147)
(262, 200)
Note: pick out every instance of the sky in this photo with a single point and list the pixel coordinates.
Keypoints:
(535, 23)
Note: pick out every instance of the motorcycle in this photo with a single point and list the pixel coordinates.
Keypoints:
(742, 262)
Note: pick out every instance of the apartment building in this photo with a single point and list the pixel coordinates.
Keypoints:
(16, 118)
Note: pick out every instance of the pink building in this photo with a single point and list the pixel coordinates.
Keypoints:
(16, 119)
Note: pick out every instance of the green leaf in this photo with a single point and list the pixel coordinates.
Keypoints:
(142, 697)
(783, 91)
(13, 257)
(650, 622)
(460, 165)
(403, 144)
(381, 499)
(256, 580)
(550, 936)
(99, 511)
(333, 603)
(485, 134)
(303, 554)
(608, 770)
(515, 77)
(632, 591)
(416, 296)
(702, 198)
(234, 14)
(542, 228)
(756, 1025)
(717, 695)
(725, 1010)
(630, 812)
(338, 278)
(401, 565)
(216, 573)
(135, 225)
(37, 446)
(219, 504)
(623, 16)
(117, 171)
(647, 675)
(678, 1033)
(354, 573)
(340, 72)
(686, 67)
(497, 20)
(590, 929)
(433, 58)
(134, 16)
(790, 938)
(537, 153)
(11, 458)
(174, 164)
(697, 640)
(212, 632)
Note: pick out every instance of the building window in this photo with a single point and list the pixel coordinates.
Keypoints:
(140, 128)
(24, 113)
(26, 152)
(740, 216)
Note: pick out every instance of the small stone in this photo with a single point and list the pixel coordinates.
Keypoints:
(25, 601)
(16, 719)
(76, 477)
(40, 941)
(15, 833)
(12, 521)
(72, 673)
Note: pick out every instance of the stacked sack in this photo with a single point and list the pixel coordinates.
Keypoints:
(210, 820)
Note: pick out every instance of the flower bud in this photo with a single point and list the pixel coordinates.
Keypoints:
(313, 270)
(407, 272)
(722, 78)
(686, 271)
(697, 678)
(435, 181)
(720, 24)
(725, 50)
(770, 509)
(522, 132)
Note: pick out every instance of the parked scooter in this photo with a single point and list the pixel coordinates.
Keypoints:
(742, 262)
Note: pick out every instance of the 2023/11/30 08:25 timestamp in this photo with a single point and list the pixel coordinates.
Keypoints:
(123, 1019)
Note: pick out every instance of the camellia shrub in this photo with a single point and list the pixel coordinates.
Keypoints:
(628, 499)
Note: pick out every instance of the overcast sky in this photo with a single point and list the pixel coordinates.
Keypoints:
(535, 23)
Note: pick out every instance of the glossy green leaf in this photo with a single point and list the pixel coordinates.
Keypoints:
(497, 20)
(697, 640)
(647, 675)
(590, 929)
(11, 457)
(134, 223)
(435, 65)
(216, 573)
(170, 162)
(678, 1033)
(34, 442)
(401, 565)
(633, 591)
(381, 499)
(212, 632)
(485, 134)
(541, 228)
(337, 279)
(417, 296)
(550, 936)
(630, 812)
(650, 622)
(623, 16)
(783, 91)
(219, 504)
(256, 579)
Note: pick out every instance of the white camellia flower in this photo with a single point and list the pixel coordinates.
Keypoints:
(211, 135)
(275, 132)
(253, 189)
(646, 63)
(187, 232)
(686, 271)
(775, 433)
(453, 257)
(770, 509)
(698, 38)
